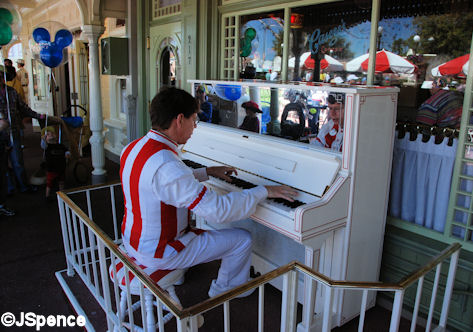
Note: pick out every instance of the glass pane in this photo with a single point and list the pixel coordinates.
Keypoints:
(463, 201)
(458, 232)
(304, 115)
(261, 41)
(460, 216)
(324, 37)
(425, 37)
(466, 185)
(467, 168)
(468, 152)
(40, 80)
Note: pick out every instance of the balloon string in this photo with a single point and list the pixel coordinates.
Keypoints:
(54, 79)
(7, 97)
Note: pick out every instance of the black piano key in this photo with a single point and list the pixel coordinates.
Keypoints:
(192, 164)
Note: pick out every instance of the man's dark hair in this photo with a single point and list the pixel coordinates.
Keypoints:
(7, 62)
(168, 104)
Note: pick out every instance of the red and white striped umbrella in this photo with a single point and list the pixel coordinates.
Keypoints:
(386, 62)
(457, 66)
(329, 64)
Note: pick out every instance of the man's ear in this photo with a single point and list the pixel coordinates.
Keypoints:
(179, 120)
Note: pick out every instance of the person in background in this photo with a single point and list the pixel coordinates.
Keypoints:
(18, 110)
(4, 140)
(22, 75)
(251, 121)
(205, 114)
(331, 134)
(12, 79)
(443, 108)
(56, 155)
(160, 191)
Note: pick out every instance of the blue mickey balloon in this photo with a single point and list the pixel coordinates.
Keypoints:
(51, 52)
(63, 38)
(41, 35)
(228, 92)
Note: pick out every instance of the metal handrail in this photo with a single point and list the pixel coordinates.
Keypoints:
(210, 303)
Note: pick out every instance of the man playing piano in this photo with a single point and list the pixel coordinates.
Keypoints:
(331, 134)
(159, 190)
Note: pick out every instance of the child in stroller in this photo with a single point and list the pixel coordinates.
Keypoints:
(56, 155)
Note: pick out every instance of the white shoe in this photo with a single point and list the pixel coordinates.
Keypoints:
(216, 290)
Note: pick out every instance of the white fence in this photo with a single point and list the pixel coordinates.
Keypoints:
(90, 247)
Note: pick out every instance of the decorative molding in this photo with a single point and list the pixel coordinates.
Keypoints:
(165, 11)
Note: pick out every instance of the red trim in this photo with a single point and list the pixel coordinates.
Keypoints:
(197, 231)
(165, 137)
(177, 245)
(156, 276)
(168, 228)
(123, 158)
(198, 199)
(149, 149)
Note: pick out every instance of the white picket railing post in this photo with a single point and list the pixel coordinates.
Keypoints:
(433, 297)
(417, 304)
(105, 288)
(327, 315)
(449, 289)
(65, 236)
(289, 302)
(397, 310)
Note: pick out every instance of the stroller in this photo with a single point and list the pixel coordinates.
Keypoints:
(76, 139)
(77, 136)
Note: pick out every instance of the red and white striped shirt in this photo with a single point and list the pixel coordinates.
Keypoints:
(159, 190)
(330, 136)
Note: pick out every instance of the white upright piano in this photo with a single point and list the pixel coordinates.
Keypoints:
(337, 224)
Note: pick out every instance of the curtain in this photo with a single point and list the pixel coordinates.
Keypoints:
(420, 181)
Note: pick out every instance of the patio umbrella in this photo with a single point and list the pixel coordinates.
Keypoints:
(302, 59)
(386, 62)
(327, 63)
(456, 66)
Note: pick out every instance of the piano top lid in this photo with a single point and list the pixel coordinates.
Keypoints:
(295, 164)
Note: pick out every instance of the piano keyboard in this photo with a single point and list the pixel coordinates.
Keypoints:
(242, 184)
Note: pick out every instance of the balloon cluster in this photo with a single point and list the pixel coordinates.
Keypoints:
(10, 23)
(245, 43)
(51, 53)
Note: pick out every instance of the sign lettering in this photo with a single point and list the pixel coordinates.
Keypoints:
(317, 38)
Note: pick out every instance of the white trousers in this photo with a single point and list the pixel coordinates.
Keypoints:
(232, 246)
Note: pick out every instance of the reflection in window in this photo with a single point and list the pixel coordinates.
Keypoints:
(168, 67)
(261, 39)
(39, 80)
(323, 38)
(122, 93)
(303, 115)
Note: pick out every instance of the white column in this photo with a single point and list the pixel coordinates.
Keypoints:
(92, 33)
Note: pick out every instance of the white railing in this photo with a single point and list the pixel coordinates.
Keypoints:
(90, 250)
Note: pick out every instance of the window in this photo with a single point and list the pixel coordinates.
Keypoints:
(40, 78)
(261, 43)
(429, 117)
(324, 37)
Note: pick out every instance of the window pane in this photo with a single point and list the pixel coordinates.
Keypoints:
(324, 37)
(261, 42)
